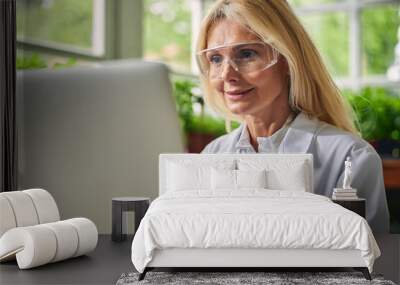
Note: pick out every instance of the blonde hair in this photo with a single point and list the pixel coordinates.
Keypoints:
(312, 89)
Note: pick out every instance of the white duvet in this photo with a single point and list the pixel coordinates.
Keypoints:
(250, 218)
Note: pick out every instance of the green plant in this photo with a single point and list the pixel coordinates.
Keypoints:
(207, 125)
(33, 61)
(183, 98)
(377, 111)
(191, 122)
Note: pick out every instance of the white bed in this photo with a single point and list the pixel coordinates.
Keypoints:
(201, 220)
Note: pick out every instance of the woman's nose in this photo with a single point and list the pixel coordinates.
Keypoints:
(228, 71)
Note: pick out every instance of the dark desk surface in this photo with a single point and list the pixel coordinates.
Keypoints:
(102, 266)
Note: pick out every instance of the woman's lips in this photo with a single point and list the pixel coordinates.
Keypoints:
(234, 96)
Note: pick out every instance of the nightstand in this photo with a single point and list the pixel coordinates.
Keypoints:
(355, 205)
(126, 204)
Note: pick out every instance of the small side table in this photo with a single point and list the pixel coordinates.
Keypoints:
(126, 204)
(355, 205)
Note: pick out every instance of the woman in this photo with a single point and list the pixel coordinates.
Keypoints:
(259, 67)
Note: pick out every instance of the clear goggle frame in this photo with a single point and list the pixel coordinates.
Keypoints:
(243, 57)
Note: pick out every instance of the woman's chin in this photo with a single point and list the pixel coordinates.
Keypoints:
(238, 108)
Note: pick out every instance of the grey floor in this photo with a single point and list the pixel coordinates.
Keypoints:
(111, 259)
(103, 266)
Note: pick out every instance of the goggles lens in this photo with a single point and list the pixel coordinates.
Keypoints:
(244, 58)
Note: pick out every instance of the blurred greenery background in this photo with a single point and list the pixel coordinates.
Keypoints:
(167, 37)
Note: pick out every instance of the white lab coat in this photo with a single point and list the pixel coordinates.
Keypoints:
(330, 146)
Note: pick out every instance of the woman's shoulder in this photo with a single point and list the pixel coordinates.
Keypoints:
(225, 143)
(328, 135)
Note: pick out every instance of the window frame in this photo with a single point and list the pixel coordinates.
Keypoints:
(108, 43)
(97, 50)
(353, 8)
(116, 21)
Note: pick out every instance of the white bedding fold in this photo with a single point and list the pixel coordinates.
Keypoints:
(250, 218)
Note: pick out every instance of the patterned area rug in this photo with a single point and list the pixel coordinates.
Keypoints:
(231, 278)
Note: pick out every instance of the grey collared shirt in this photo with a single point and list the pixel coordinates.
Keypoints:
(265, 144)
(330, 146)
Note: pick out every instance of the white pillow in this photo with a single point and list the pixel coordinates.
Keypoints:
(236, 179)
(251, 178)
(223, 179)
(196, 174)
(182, 177)
(291, 179)
(282, 174)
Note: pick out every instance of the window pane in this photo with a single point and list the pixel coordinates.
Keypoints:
(60, 21)
(330, 33)
(168, 32)
(379, 33)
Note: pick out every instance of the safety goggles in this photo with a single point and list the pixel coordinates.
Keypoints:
(243, 57)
